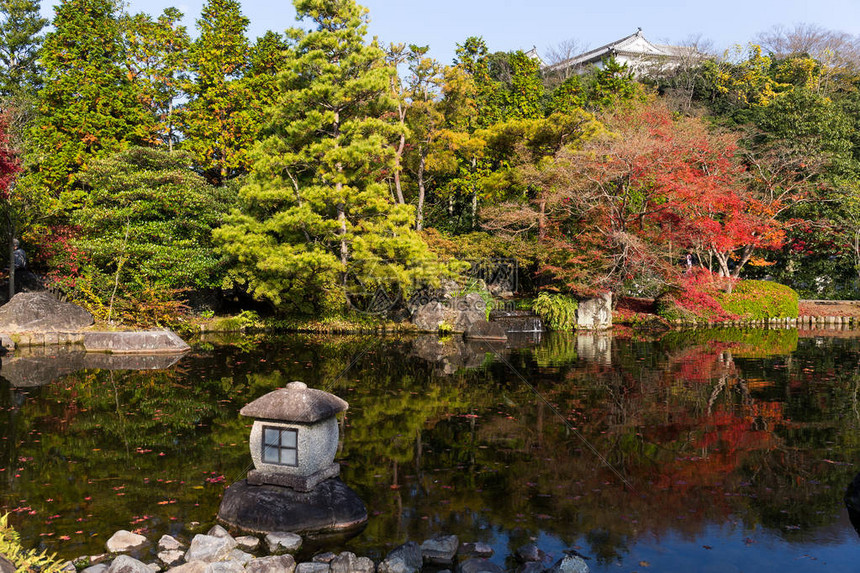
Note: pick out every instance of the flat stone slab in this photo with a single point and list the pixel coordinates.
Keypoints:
(332, 507)
(41, 312)
(136, 342)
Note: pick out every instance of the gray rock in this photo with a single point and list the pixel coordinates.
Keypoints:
(485, 330)
(68, 567)
(347, 562)
(595, 313)
(326, 557)
(241, 557)
(283, 542)
(6, 566)
(529, 552)
(569, 564)
(475, 550)
(364, 565)
(457, 312)
(171, 557)
(248, 543)
(312, 568)
(168, 543)
(146, 341)
(126, 564)
(403, 559)
(272, 564)
(6, 342)
(531, 567)
(123, 541)
(154, 567)
(100, 558)
(218, 531)
(208, 549)
(224, 567)
(193, 567)
(98, 568)
(479, 565)
(42, 312)
(440, 550)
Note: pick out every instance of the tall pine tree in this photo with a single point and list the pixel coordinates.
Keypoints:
(318, 220)
(20, 39)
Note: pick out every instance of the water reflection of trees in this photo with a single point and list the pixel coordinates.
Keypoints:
(706, 429)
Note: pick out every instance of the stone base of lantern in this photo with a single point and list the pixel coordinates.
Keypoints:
(298, 483)
(331, 507)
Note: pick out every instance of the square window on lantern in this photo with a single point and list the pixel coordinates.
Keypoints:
(280, 446)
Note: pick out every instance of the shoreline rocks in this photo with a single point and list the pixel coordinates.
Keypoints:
(218, 551)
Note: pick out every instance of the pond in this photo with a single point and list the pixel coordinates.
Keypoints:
(721, 450)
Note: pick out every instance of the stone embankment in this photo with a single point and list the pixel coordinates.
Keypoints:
(219, 552)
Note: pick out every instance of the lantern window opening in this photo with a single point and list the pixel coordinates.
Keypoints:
(280, 446)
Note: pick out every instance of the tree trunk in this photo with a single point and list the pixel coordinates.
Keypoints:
(419, 212)
(11, 258)
(542, 220)
(397, 159)
(341, 206)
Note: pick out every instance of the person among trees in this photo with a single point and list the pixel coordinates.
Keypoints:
(19, 257)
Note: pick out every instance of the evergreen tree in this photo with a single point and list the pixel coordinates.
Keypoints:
(156, 52)
(316, 213)
(20, 39)
(217, 122)
(89, 106)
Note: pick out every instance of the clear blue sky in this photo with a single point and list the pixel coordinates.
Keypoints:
(521, 24)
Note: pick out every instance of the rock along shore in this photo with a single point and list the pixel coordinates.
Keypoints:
(219, 552)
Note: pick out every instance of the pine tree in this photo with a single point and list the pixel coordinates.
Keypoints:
(318, 220)
(20, 39)
(89, 106)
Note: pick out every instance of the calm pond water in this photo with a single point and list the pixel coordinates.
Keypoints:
(707, 451)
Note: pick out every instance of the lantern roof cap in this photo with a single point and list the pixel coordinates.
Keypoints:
(295, 403)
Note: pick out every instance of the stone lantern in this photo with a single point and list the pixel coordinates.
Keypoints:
(294, 484)
(294, 437)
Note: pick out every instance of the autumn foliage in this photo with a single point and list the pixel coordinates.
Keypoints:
(651, 185)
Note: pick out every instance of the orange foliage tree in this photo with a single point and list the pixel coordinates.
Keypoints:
(626, 201)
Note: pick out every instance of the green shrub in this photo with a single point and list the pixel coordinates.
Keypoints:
(24, 561)
(557, 311)
(756, 300)
(245, 319)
